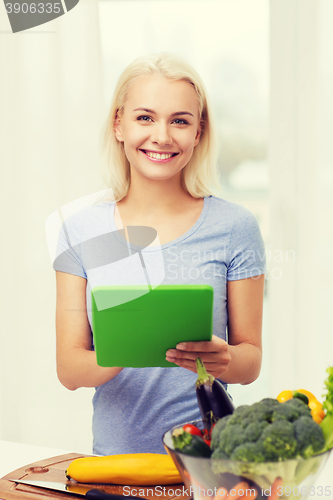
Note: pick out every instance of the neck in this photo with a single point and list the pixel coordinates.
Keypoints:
(146, 195)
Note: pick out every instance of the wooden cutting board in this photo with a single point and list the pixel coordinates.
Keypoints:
(53, 469)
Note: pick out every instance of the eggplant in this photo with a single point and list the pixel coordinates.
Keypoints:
(213, 400)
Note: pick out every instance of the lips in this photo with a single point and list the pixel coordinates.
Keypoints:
(159, 155)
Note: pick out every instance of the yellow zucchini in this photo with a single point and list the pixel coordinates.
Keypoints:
(140, 469)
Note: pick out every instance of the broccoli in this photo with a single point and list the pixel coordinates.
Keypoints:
(254, 430)
(219, 426)
(249, 452)
(302, 407)
(285, 412)
(275, 440)
(238, 416)
(279, 441)
(230, 437)
(267, 431)
(264, 409)
(269, 403)
(291, 410)
(220, 454)
(309, 436)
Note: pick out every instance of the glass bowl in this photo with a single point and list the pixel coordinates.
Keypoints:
(207, 478)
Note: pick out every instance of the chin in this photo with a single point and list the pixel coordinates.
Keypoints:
(158, 176)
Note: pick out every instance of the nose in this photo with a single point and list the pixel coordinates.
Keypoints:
(161, 134)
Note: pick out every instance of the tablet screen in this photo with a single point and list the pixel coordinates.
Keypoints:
(138, 331)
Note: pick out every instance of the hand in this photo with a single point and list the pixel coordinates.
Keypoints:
(214, 354)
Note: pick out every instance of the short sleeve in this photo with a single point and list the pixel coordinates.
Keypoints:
(68, 255)
(247, 249)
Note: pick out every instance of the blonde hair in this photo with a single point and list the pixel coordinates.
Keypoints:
(199, 176)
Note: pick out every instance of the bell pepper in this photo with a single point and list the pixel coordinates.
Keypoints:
(284, 396)
(315, 406)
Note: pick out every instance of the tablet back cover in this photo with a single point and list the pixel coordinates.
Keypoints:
(137, 333)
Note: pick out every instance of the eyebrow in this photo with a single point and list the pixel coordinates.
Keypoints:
(178, 113)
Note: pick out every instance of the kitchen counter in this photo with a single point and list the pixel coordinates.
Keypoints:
(15, 455)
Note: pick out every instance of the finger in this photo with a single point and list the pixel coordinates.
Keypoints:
(190, 365)
(213, 366)
(174, 354)
(214, 345)
(201, 346)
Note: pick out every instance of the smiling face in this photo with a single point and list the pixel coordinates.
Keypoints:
(160, 126)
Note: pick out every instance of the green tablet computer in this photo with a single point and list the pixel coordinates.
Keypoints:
(137, 333)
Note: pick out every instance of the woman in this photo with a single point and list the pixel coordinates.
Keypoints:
(159, 140)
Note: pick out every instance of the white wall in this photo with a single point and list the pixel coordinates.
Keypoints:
(301, 186)
(51, 115)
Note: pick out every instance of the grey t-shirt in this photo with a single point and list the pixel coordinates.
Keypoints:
(135, 408)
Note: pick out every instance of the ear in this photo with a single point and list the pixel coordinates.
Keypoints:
(197, 137)
(117, 129)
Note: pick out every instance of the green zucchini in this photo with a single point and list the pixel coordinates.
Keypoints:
(190, 444)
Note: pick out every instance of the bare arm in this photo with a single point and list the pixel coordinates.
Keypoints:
(76, 361)
(239, 360)
(245, 305)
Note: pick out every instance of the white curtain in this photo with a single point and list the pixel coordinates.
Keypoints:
(51, 93)
(301, 187)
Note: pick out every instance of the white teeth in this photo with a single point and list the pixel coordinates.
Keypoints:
(158, 156)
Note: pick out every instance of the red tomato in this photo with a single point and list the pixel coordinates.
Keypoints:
(206, 436)
(192, 429)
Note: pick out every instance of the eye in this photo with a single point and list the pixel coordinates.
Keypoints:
(144, 118)
(180, 121)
